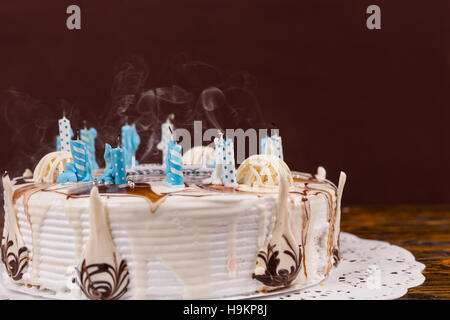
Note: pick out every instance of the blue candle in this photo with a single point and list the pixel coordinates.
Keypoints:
(130, 143)
(115, 171)
(81, 160)
(88, 136)
(174, 165)
(80, 169)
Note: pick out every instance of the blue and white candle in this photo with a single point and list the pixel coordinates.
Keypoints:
(229, 166)
(80, 170)
(225, 168)
(65, 134)
(115, 171)
(81, 161)
(58, 140)
(166, 137)
(274, 147)
(88, 136)
(174, 164)
(130, 143)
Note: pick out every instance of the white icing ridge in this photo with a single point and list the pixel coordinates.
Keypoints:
(321, 173)
(27, 174)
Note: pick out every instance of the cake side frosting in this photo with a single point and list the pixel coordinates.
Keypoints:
(197, 242)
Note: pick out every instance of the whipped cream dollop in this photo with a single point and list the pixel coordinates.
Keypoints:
(50, 166)
(27, 174)
(263, 171)
(199, 155)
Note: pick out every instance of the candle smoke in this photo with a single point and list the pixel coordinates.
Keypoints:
(192, 90)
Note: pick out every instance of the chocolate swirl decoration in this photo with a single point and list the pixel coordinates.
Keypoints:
(15, 262)
(102, 274)
(102, 281)
(336, 257)
(273, 277)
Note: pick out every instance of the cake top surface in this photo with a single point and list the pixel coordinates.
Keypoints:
(148, 181)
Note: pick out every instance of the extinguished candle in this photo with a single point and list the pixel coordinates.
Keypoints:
(88, 136)
(64, 133)
(130, 143)
(174, 164)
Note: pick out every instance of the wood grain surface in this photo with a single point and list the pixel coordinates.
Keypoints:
(423, 230)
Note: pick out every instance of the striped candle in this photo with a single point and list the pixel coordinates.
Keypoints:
(81, 161)
(88, 136)
(174, 164)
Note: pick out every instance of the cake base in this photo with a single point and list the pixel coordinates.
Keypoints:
(396, 278)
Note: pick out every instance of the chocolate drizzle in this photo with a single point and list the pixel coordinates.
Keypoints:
(143, 190)
(272, 276)
(23, 190)
(305, 227)
(217, 188)
(21, 180)
(27, 191)
(15, 262)
(336, 257)
(112, 281)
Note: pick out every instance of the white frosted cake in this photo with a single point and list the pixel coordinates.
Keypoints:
(144, 240)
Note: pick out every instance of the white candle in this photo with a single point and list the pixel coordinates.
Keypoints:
(64, 134)
(167, 134)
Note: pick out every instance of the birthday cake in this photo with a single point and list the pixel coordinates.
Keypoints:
(175, 231)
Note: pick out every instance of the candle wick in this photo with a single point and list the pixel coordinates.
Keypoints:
(171, 132)
(119, 139)
(84, 123)
(78, 134)
(220, 133)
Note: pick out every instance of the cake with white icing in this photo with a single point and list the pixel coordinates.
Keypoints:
(144, 240)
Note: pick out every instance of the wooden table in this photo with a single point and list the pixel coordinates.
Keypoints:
(423, 230)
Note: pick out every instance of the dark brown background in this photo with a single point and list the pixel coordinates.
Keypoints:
(371, 103)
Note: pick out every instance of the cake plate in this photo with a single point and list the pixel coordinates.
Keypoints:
(369, 270)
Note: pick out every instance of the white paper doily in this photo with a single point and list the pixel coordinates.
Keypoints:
(369, 270)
